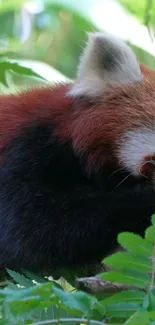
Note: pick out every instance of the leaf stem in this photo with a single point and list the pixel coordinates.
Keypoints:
(69, 320)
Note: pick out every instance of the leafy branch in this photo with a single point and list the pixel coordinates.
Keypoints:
(128, 294)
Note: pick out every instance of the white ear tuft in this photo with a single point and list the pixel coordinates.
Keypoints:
(106, 61)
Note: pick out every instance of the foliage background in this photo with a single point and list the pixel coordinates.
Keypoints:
(53, 32)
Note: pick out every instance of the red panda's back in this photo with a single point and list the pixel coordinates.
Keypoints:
(38, 105)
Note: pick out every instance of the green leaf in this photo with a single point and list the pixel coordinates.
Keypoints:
(43, 290)
(23, 306)
(121, 310)
(20, 279)
(139, 9)
(141, 318)
(150, 234)
(79, 301)
(129, 277)
(35, 277)
(134, 319)
(135, 244)
(54, 312)
(6, 65)
(149, 302)
(133, 296)
(153, 219)
(13, 286)
(8, 316)
(126, 260)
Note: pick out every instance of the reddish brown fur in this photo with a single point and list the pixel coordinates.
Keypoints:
(98, 129)
(44, 104)
(95, 128)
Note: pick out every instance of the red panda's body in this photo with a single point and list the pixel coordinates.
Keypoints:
(43, 104)
(77, 163)
(73, 119)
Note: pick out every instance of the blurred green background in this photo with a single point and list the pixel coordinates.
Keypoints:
(47, 36)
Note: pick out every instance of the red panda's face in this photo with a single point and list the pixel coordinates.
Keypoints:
(119, 129)
(135, 129)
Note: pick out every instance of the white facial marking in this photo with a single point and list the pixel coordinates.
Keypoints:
(135, 146)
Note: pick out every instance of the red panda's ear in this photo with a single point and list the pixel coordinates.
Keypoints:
(105, 62)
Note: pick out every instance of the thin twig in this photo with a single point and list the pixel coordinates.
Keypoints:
(69, 320)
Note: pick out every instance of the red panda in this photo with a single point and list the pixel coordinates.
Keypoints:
(77, 162)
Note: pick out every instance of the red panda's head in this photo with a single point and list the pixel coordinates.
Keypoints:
(118, 125)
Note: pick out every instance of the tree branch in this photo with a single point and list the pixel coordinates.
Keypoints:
(96, 285)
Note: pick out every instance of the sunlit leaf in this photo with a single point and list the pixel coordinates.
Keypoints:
(135, 244)
(126, 260)
(6, 65)
(129, 277)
